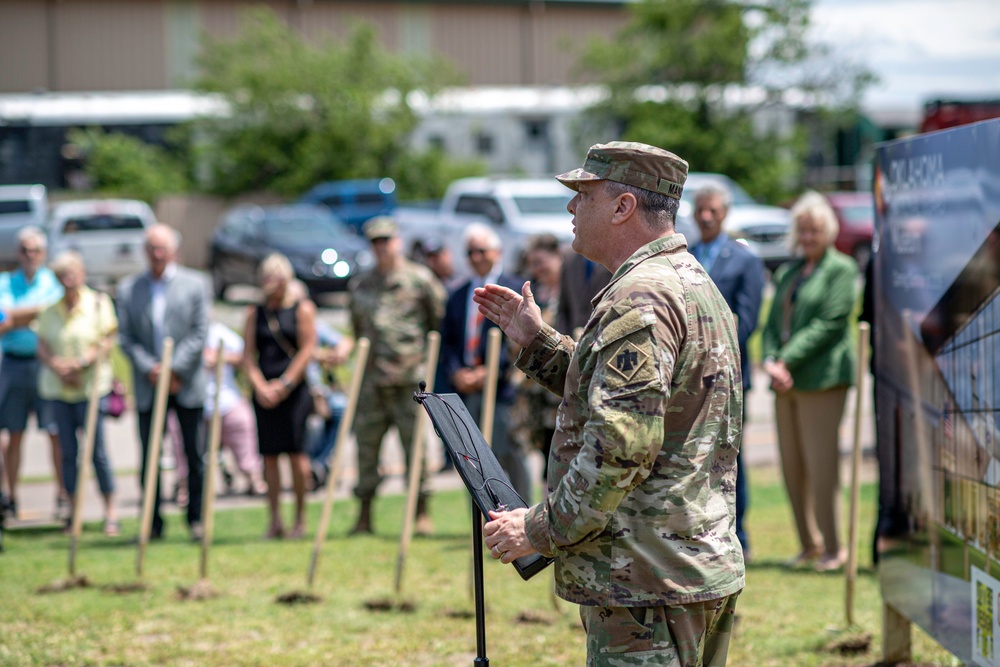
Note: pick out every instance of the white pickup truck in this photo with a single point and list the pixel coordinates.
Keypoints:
(517, 208)
(108, 233)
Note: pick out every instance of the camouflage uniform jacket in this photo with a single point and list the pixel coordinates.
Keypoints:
(642, 469)
(395, 312)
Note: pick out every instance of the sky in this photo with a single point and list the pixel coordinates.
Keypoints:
(920, 49)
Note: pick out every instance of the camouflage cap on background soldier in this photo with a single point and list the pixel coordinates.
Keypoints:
(380, 227)
(631, 163)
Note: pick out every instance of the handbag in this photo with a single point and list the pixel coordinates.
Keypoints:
(114, 403)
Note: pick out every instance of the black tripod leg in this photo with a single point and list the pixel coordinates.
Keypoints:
(477, 568)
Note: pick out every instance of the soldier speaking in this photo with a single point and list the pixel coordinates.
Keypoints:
(642, 468)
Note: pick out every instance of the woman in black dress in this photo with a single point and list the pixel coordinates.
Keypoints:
(280, 336)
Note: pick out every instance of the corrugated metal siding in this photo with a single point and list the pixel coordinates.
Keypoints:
(110, 45)
(483, 42)
(321, 21)
(124, 44)
(221, 18)
(24, 62)
(560, 35)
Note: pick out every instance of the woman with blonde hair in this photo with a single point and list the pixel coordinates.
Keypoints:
(71, 333)
(809, 356)
(280, 335)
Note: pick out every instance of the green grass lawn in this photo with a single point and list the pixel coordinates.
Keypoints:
(785, 617)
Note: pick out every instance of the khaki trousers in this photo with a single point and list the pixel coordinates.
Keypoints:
(808, 423)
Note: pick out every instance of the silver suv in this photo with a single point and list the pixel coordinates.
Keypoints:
(20, 206)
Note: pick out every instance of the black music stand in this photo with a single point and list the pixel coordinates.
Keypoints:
(487, 484)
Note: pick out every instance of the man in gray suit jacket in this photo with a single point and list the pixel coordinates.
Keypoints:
(167, 300)
(739, 275)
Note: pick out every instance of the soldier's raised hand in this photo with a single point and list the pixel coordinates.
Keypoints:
(516, 314)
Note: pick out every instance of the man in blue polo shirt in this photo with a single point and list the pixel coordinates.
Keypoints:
(23, 294)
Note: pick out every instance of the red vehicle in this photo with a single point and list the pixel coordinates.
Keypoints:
(941, 114)
(856, 215)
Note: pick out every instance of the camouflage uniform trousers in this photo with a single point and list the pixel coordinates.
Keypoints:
(685, 635)
(380, 408)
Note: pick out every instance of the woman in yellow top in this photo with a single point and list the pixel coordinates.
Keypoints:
(70, 332)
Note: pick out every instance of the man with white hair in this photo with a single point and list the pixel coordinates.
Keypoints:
(168, 300)
(463, 350)
(25, 293)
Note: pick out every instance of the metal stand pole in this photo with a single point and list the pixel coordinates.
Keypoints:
(477, 567)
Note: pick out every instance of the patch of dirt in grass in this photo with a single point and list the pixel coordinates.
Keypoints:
(297, 597)
(199, 591)
(386, 604)
(459, 613)
(533, 618)
(850, 644)
(65, 585)
(133, 587)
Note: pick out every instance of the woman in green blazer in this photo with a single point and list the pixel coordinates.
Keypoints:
(809, 356)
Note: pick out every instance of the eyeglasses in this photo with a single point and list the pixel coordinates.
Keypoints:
(478, 251)
(30, 251)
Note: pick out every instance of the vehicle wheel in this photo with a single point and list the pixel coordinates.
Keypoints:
(862, 255)
(218, 284)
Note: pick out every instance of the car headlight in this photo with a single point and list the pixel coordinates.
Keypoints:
(364, 259)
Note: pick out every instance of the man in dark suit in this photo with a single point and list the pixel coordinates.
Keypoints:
(739, 275)
(463, 350)
(167, 300)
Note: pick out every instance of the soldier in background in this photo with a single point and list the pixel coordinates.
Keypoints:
(394, 306)
(643, 462)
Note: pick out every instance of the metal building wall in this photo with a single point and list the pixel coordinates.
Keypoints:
(77, 45)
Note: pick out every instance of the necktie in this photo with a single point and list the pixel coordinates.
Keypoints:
(475, 324)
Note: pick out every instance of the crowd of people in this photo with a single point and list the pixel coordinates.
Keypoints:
(653, 348)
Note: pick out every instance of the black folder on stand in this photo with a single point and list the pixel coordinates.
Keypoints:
(484, 478)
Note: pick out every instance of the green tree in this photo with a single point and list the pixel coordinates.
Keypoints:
(695, 75)
(303, 113)
(125, 166)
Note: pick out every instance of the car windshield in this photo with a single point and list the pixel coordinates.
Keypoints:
(101, 222)
(543, 204)
(303, 228)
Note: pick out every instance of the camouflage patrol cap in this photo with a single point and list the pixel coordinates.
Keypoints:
(639, 165)
(380, 227)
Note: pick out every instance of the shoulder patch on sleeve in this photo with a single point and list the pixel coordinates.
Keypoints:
(630, 362)
(628, 322)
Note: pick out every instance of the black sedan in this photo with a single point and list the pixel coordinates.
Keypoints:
(324, 252)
